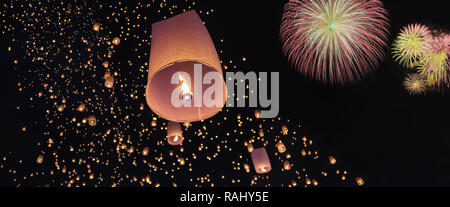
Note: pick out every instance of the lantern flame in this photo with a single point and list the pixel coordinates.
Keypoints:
(186, 93)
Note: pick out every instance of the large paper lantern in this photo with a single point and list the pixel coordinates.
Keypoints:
(261, 161)
(174, 133)
(178, 43)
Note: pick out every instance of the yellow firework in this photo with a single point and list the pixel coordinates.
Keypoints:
(411, 45)
(415, 84)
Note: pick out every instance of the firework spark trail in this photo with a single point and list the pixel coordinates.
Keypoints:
(335, 41)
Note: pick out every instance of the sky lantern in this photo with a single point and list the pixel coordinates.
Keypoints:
(96, 27)
(154, 122)
(109, 80)
(116, 41)
(250, 147)
(106, 64)
(174, 133)
(261, 161)
(145, 151)
(284, 130)
(178, 44)
(280, 146)
(40, 159)
(359, 181)
(286, 165)
(261, 133)
(257, 114)
(81, 107)
(332, 160)
(92, 121)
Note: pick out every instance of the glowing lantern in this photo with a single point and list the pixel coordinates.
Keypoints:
(359, 181)
(106, 64)
(154, 123)
(81, 107)
(308, 181)
(286, 165)
(261, 133)
(247, 167)
(178, 43)
(257, 114)
(92, 121)
(40, 159)
(109, 80)
(96, 27)
(261, 161)
(280, 146)
(284, 130)
(181, 161)
(61, 108)
(116, 41)
(131, 150)
(332, 160)
(145, 151)
(315, 183)
(303, 153)
(250, 147)
(174, 133)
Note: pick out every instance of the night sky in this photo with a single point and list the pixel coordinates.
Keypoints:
(374, 128)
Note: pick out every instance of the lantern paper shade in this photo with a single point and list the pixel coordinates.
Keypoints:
(179, 43)
(174, 133)
(261, 161)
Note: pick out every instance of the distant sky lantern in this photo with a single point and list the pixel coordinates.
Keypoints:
(116, 41)
(359, 181)
(145, 151)
(154, 122)
(284, 130)
(174, 133)
(106, 64)
(332, 160)
(261, 161)
(81, 107)
(92, 121)
(61, 107)
(40, 159)
(96, 27)
(286, 165)
(257, 114)
(303, 152)
(280, 146)
(109, 80)
(261, 133)
(178, 43)
(250, 147)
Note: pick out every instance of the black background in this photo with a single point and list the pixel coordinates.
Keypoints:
(377, 129)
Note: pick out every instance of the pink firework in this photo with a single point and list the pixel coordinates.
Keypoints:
(435, 65)
(335, 41)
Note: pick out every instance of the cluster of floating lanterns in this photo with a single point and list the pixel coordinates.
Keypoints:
(115, 138)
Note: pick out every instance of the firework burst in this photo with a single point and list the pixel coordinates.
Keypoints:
(411, 44)
(435, 65)
(415, 84)
(335, 41)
